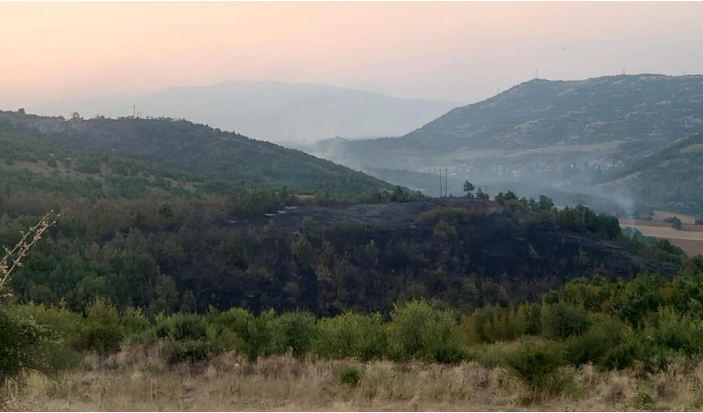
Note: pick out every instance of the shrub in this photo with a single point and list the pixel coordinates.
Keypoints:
(186, 327)
(642, 400)
(259, 335)
(418, 331)
(536, 364)
(352, 335)
(134, 322)
(295, 331)
(590, 347)
(561, 321)
(238, 329)
(187, 351)
(494, 323)
(102, 327)
(25, 345)
(624, 354)
(350, 375)
(69, 326)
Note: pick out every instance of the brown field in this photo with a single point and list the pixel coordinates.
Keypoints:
(685, 219)
(690, 238)
(230, 383)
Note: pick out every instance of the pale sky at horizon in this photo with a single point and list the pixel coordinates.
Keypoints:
(452, 51)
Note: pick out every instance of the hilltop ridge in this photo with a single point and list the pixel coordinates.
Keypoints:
(197, 149)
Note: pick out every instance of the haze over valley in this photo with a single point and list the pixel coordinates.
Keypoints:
(274, 111)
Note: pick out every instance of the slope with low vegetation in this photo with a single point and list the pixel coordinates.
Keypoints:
(650, 110)
(196, 149)
(669, 179)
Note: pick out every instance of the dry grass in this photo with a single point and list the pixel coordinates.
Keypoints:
(138, 380)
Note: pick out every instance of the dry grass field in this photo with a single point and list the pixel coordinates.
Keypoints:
(229, 382)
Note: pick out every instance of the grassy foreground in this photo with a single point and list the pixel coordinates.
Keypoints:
(138, 379)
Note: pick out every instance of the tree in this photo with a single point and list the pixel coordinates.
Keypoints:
(545, 203)
(675, 222)
(188, 302)
(482, 195)
(469, 189)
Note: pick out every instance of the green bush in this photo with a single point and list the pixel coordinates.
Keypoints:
(495, 323)
(603, 334)
(350, 375)
(134, 323)
(536, 364)
(419, 331)
(352, 335)
(259, 335)
(187, 351)
(26, 345)
(102, 327)
(625, 354)
(560, 321)
(642, 400)
(295, 331)
(187, 327)
(69, 326)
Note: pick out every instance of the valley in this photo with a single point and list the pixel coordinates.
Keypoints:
(564, 139)
(351, 206)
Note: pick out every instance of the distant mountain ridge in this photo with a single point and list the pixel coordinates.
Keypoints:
(542, 112)
(644, 112)
(273, 111)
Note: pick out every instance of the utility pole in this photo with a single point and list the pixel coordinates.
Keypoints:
(134, 111)
(440, 183)
(446, 182)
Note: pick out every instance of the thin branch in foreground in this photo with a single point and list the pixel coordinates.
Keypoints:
(13, 257)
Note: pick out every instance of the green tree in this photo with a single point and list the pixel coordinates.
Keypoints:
(166, 296)
(469, 189)
(188, 302)
(545, 203)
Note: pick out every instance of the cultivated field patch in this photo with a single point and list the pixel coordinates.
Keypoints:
(685, 219)
(689, 238)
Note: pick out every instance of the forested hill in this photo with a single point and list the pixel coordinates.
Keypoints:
(670, 179)
(457, 251)
(630, 115)
(197, 149)
(543, 113)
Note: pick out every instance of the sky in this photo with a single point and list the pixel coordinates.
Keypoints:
(464, 51)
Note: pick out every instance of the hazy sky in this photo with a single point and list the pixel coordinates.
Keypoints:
(455, 51)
